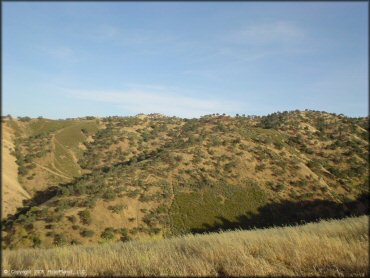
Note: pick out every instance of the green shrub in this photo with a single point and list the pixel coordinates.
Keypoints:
(123, 231)
(178, 158)
(117, 208)
(24, 119)
(260, 167)
(36, 241)
(50, 233)
(278, 145)
(155, 230)
(85, 217)
(109, 195)
(65, 191)
(279, 187)
(55, 217)
(90, 203)
(199, 208)
(161, 209)
(144, 198)
(60, 239)
(108, 234)
(87, 233)
(324, 189)
(133, 193)
(75, 242)
(72, 218)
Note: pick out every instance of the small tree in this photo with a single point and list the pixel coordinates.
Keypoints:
(109, 194)
(124, 235)
(87, 233)
(117, 208)
(59, 239)
(279, 187)
(75, 242)
(85, 217)
(24, 119)
(260, 167)
(72, 218)
(36, 241)
(108, 233)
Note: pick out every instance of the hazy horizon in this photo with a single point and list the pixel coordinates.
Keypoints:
(147, 114)
(69, 60)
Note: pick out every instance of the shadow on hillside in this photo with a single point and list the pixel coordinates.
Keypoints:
(39, 197)
(42, 196)
(291, 213)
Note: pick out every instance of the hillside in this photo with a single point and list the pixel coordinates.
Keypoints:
(151, 176)
(45, 152)
(13, 192)
(328, 248)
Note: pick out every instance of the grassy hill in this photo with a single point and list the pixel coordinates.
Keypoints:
(328, 248)
(150, 176)
(47, 150)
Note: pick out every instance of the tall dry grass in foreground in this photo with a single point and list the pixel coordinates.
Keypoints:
(338, 247)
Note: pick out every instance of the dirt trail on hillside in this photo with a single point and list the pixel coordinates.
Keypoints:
(73, 155)
(53, 172)
(12, 192)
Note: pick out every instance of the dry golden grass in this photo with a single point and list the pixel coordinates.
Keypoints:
(329, 248)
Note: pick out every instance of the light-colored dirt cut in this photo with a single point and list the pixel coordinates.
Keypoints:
(12, 192)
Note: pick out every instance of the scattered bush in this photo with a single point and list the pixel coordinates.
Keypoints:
(279, 187)
(260, 167)
(75, 242)
(60, 239)
(87, 233)
(108, 234)
(36, 241)
(85, 217)
(117, 208)
(72, 218)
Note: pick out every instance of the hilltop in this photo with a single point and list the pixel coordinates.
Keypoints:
(98, 180)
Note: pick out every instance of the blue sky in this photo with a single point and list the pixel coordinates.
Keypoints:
(184, 59)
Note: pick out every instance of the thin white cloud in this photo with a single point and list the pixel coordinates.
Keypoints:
(268, 33)
(106, 32)
(127, 36)
(156, 99)
(250, 44)
(62, 53)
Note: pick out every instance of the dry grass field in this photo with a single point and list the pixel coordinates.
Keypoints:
(328, 248)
